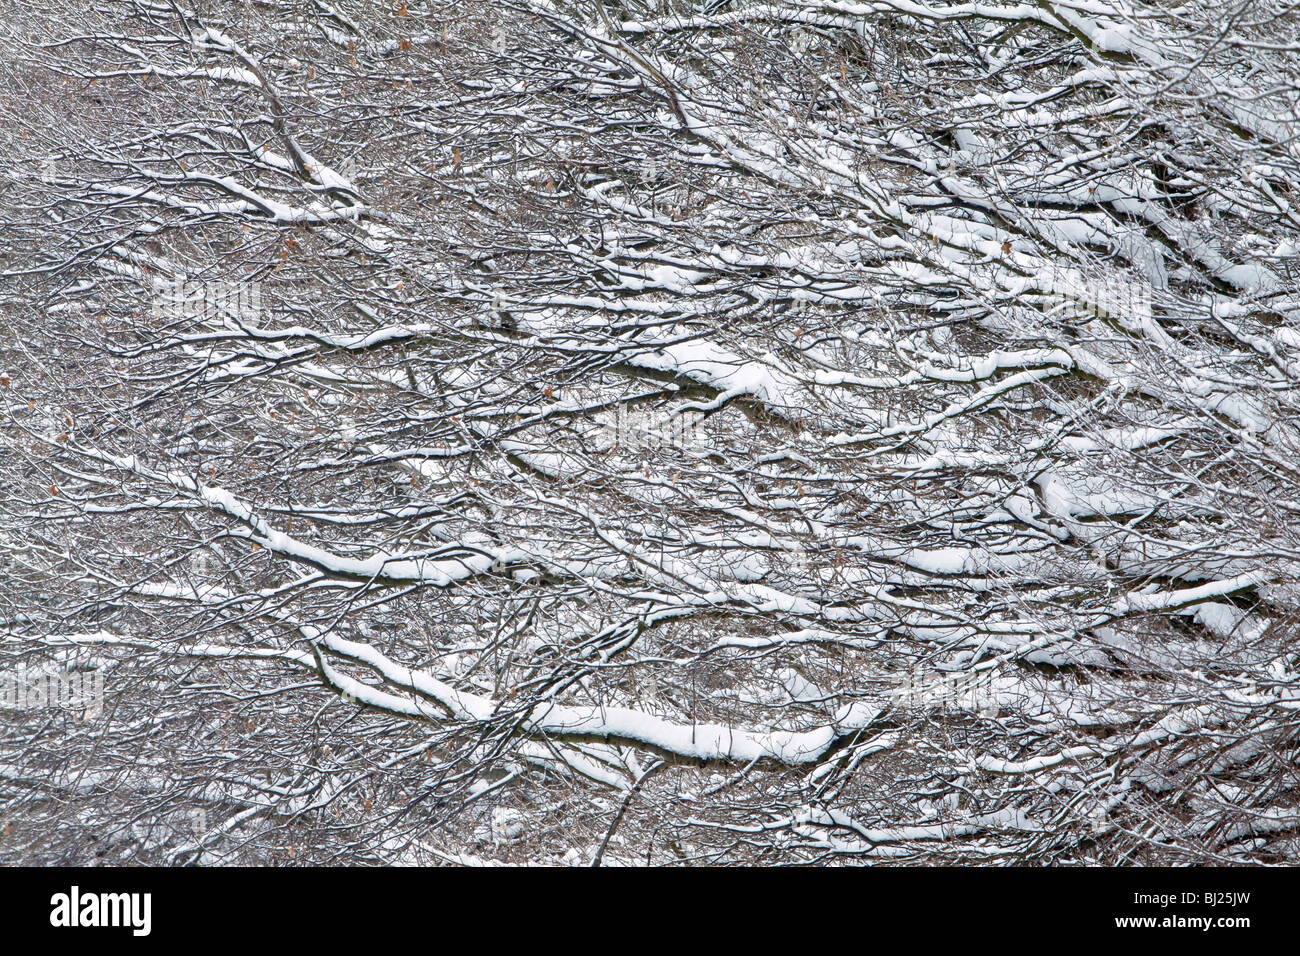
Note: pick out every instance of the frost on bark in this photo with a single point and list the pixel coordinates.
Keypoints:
(658, 432)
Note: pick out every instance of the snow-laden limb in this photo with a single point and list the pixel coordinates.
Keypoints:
(410, 693)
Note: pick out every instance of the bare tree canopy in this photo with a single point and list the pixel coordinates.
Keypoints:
(665, 432)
